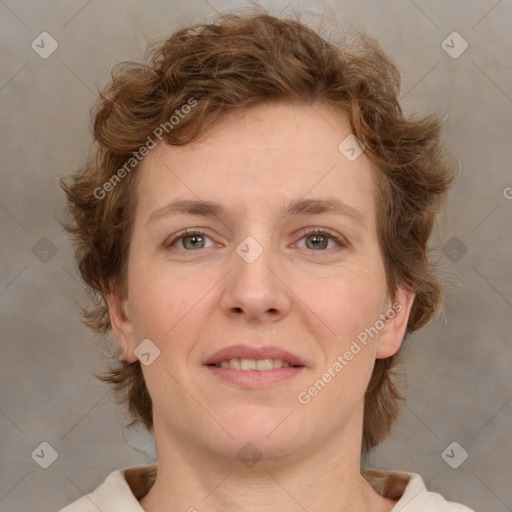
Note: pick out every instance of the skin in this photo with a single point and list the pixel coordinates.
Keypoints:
(311, 301)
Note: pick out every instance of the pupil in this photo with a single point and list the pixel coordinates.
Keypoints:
(316, 238)
(193, 239)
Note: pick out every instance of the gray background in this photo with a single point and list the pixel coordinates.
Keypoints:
(459, 379)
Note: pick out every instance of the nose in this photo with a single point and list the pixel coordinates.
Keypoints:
(255, 290)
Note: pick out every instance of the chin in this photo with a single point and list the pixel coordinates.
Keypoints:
(269, 433)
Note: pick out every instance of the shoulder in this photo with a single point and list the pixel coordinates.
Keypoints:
(119, 492)
(410, 491)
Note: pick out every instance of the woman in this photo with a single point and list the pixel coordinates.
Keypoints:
(253, 223)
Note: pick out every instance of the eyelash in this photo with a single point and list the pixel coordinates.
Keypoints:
(340, 241)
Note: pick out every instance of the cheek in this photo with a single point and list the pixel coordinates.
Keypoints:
(163, 300)
(349, 306)
(347, 302)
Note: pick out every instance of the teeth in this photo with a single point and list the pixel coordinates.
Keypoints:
(247, 364)
(254, 364)
(264, 364)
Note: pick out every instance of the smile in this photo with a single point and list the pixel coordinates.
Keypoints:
(254, 367)
(253, 364)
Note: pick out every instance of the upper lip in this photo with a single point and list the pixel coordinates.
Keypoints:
(248, 352)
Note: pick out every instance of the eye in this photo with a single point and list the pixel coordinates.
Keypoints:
(316, 239)
(320, 238)
(189, 240)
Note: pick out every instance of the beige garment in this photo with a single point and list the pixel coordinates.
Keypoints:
(123, 488)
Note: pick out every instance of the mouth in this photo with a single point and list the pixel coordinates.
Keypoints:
(254, 368)
(260, 365)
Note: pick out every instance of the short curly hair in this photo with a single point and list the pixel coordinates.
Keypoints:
(239, 62)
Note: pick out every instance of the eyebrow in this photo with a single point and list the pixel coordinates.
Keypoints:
(330, 205)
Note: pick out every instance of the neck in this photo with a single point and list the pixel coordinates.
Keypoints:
(326, 477)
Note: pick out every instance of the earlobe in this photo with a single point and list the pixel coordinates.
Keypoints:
(120, 320)
(397, 314)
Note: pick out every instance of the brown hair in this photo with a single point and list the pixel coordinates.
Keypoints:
(237, 62)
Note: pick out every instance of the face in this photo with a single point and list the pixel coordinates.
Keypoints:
(281, 264)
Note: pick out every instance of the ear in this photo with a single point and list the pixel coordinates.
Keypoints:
(393, 332)
(122, 326)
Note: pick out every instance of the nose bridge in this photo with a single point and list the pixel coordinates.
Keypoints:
(254, 287)
(252, 261)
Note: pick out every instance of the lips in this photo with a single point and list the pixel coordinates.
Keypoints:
(253, 353)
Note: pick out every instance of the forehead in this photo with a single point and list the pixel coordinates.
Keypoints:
(260, 158)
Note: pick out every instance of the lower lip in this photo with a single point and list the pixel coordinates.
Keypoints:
(254, 379)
